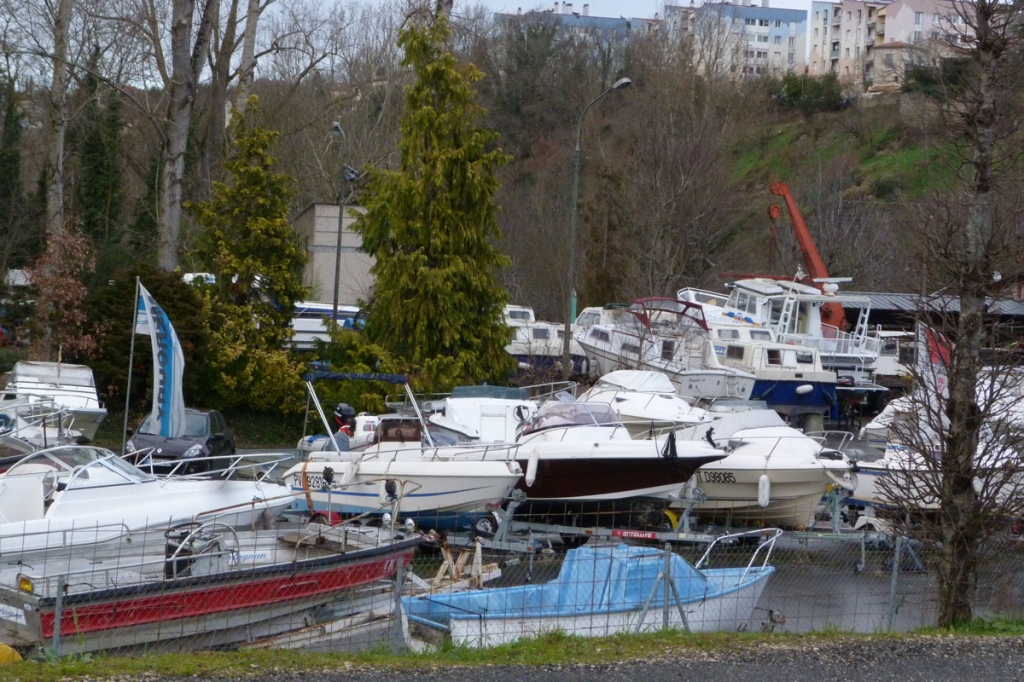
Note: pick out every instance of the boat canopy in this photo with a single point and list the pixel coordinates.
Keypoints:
(659, 315)
(637, 380)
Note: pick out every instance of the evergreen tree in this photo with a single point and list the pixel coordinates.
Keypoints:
(12, 198)
(431, 225)
(248, 242)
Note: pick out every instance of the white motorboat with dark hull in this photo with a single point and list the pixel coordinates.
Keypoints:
(580, 459)
(773, 473)
(665, 335)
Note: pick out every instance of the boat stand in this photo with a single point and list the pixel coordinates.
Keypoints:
(668, 586)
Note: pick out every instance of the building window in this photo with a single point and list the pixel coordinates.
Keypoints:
(859, 15)
(762, 39)
(777, 40)
(816, 15)
(935, 18)
(847, 55)
(763, 22)
(750, 22)
(792, 43)
(778, 23)
(849, 16)
(792, 58)
(762, 55)
(935, 35)
(777, 56)
(918, 36)
(918, 18)
(815, 33)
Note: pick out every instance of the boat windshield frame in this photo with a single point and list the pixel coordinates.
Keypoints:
(84, 466)
(656, 315)
(559, 415)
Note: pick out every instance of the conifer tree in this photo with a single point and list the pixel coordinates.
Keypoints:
(432, 224)
(100, 191)
(248, 242)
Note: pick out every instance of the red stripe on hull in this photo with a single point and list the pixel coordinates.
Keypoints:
(200, 600)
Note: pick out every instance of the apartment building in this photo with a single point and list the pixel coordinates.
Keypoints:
(842, 37)
(744, 40)
(916, 32)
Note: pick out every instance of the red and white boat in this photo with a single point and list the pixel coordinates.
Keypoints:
(197, 586)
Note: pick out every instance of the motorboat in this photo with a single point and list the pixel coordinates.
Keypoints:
(539, 345)
(198, 585)
(71, 387)
(37, 422)
(789, 377)
(77, 494)
(876, 432)
(579, 459)
(797, 313)
(439, 487)
(311, 323)
(773, 473)
(670, 336)
(645, 402)
(403, 471)
(602, 591)
(363, 427)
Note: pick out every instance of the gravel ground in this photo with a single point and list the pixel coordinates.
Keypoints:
(923, 659)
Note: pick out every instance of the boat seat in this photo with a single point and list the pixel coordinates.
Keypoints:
(21, 498)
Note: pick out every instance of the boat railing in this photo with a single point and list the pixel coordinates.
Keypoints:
(826, 438)
(462, 451)
(835, 342)
(538, 392)
(144, 459)
(766, 546)
(113, 528)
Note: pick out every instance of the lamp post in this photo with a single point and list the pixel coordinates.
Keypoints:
(336, 130)
(573, 221)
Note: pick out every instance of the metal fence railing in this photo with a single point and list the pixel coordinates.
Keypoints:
(587, 571)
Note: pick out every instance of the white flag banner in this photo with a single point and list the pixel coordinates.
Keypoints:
(168, 365)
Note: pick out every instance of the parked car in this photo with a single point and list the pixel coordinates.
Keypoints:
(206, 435)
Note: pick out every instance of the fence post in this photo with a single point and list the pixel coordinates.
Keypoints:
(397, 628)
(58, 615)
(897, 553)
(666, 591)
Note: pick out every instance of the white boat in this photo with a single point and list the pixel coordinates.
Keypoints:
(876, 432)
(442, 488)
(70, 387)
(602, 591)
(796, 313)
(669, 336)
(539, 345)
(74, 494)
(773, 473)
(580, 460)
(310, 323)
(646, 402)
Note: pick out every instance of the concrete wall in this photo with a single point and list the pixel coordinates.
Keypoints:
(317, 227)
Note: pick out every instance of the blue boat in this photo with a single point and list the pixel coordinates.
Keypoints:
(601, 591)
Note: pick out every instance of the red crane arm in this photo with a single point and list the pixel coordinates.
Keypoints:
(815, 266)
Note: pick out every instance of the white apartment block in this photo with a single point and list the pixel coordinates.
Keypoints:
(869, 42)
(742, 40)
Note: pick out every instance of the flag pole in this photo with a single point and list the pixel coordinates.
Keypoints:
(131, 362)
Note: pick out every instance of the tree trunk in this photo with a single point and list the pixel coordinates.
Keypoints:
(58, 121)
(247, 67)
(186, 63)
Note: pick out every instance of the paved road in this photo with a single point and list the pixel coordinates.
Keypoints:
(917, 659)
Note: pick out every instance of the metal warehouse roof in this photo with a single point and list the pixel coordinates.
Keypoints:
(912, 302)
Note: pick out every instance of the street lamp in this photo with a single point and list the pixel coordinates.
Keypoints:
(336, 130)
(573, 221)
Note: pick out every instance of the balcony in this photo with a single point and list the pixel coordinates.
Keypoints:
(834, 54)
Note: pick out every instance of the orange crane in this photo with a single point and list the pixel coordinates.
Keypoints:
(832, 313)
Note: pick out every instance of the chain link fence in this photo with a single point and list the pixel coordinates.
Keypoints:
(328, 588)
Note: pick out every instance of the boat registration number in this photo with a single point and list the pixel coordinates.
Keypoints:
(716, 477)
(314, 481)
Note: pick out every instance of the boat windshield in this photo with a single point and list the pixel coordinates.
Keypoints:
(557, 414)
(84, 466)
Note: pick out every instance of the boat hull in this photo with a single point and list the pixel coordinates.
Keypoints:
(443, 495)
(732, 491)
(782, 396)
